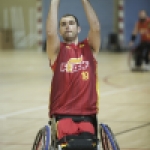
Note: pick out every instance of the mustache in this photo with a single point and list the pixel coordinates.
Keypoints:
(67, 31)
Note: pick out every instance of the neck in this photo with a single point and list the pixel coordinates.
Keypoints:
(72, 42)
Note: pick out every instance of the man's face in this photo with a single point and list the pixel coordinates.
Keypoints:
(142, 14)
(68, 28)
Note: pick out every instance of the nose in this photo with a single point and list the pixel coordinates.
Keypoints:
(67, 26)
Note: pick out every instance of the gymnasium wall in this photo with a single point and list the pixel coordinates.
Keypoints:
(132, 8)
(20, 16)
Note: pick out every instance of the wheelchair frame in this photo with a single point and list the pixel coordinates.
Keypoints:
(45, 141)
(131, 62)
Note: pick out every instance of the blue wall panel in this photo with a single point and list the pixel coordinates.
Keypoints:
(103, 8)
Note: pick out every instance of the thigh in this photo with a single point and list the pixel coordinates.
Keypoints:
(66, 127)
(141, 46)
(148, 46)
(86, 127)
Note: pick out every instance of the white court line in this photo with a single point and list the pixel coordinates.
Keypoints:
(22, 112)
(45, 106)
(135, 87)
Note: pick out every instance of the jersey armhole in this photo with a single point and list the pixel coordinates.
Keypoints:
(92, 51)
(54, 64)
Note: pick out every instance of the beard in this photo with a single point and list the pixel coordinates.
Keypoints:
(142, 20)
(70, 37)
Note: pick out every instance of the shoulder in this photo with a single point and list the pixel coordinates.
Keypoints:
(84, 42)
(148, 20)
(62, 44)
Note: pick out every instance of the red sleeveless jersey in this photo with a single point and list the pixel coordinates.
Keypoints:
(144, 29)
(73, 86)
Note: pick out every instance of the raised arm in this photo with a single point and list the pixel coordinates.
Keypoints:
(53, 41)
(94, 33)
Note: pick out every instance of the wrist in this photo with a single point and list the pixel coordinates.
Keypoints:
(133, 38)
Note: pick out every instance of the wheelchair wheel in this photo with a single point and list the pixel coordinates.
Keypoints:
(131, 60)
(42, 140)
(108, 139)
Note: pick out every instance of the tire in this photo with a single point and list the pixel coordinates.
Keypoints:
(42, 140)
(113, 136)
(108, 139)
(131, 60)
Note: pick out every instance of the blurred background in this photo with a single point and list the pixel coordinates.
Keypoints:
(24, 21)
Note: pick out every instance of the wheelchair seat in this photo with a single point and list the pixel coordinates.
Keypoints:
(81, 141)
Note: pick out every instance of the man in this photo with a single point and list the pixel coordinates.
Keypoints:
(142, 27)
(73, 87)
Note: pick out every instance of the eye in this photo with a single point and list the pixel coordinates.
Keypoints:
(63, 23)
(71, 22)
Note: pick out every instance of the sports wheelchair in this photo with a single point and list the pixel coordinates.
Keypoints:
(132, 56)
(46, 138)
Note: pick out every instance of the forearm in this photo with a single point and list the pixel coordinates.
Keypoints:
(51, 26)
(135, 30)
(134, 34)
(91, 15)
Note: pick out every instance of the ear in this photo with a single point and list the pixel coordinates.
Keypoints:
(79, 29)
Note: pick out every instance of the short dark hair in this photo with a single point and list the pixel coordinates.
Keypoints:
(66, 15)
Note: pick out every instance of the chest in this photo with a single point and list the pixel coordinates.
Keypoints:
(75, 59)
(143, 26)
(75, 54)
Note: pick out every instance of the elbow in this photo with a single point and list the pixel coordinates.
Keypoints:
(96, 27)
(49, 30)
(50, 33)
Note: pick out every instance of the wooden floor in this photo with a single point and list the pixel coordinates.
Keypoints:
(25, 79)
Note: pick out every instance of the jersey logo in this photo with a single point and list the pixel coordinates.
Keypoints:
(68, 47)
(81, 45)
(76, 60)
(74, 65)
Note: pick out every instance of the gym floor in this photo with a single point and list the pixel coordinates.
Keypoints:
(25, 79)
